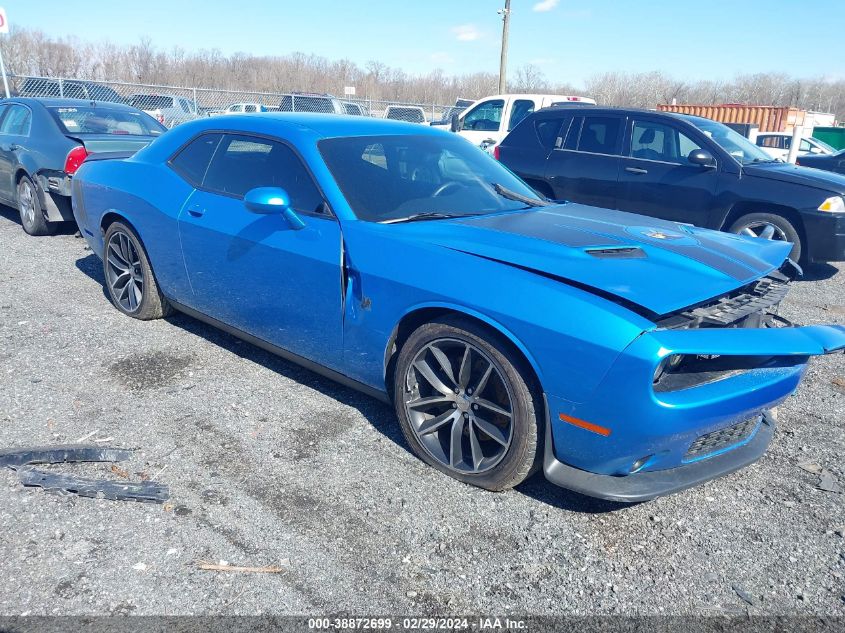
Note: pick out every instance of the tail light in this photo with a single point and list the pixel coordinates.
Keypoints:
(496, 152)
(74, 159)
(160, 118)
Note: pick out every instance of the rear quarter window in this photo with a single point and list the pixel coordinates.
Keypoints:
(191, 162)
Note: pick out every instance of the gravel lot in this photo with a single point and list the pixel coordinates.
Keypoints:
(269, 464)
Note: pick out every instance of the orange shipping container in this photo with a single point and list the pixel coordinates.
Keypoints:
(767, 118)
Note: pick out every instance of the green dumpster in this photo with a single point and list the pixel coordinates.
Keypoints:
(833, 136)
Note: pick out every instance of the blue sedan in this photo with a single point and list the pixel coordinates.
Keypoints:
(628, 357)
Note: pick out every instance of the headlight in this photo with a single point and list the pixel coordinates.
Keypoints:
(834, 204)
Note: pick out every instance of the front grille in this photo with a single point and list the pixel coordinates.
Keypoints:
(721, 439)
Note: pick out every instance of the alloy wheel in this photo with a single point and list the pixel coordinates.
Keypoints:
(459, 405)
(765, 230)
(26, 202)
(124, 271)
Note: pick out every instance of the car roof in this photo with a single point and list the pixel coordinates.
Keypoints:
(56, 102)
(323, 125)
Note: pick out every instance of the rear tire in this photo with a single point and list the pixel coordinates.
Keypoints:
(772, 226)
(130, 281)
(484, 432)
(33, 219)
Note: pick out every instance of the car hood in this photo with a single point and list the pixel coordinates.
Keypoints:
(654, 264)
(786, 172)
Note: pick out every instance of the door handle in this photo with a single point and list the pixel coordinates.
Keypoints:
(636, 170)
(196, 212)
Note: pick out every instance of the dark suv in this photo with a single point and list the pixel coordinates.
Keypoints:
(678, 167)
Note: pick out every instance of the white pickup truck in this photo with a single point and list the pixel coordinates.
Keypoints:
(487, 121)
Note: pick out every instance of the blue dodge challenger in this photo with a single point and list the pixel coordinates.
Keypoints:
(628, 357)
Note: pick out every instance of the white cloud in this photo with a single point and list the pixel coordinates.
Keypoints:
(546, 5)
(466, 32)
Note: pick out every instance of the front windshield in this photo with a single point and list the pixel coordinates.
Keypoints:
(385, 178)
(732, 142)
(823, 145)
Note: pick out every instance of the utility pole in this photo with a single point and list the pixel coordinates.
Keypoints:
(503, 60)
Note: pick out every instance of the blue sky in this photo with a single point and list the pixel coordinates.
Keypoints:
(568, 40)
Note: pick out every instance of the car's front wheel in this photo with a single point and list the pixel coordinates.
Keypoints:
(466, 404)
(130, 282)
(33, 219)
(770, 226)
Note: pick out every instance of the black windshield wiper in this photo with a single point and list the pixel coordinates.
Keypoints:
(428, 215)
(518, 197)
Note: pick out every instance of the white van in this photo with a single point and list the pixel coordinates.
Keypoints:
(487, 121)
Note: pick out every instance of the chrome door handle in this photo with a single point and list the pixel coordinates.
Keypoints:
(636, 170)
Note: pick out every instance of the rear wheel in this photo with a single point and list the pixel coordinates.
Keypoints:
(465, 404)
(33, 219)
(770, 226)
(130, 282)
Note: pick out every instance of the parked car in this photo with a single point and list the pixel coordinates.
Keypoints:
(682, 168)
(777, 144)
(242, 108)
(354, 109)
(169, 110)
(43, 142)
(630, 357)
(409, 114)
(39, 87)
(446, 117)
(487, 121)
(829, 162)
(311, 102)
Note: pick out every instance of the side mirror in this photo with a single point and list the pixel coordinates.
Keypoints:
(455, 122)
(272, 200)
(702, 158)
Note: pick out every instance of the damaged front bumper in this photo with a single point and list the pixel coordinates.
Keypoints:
(632, 441)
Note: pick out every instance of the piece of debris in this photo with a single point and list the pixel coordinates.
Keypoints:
(120, 472)
(742, 593)
(19, 459)
(838, 382)
(828, 483)
(270, 569)
(139, 566)
(62, 453)
(148, 491)
(88, 436)
(810, 467)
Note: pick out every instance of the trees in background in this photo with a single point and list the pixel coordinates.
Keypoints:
(31, 52)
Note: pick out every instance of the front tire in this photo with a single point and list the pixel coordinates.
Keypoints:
(770, 226)
(466, 404)
(130, 282)
(33, 219)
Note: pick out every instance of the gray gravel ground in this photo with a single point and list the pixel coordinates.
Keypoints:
(270, 464)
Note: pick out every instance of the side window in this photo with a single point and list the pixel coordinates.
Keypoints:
(249, 108)
(74, 91)
(485, 117)
(774, 142)
(521, 108)
(243, 162)
(655, 141)
(600, 135)
(185, 106)
(804, 146)
(287, 104)
(3, 108)
(550, 130)
(17, 121)
(192, 160)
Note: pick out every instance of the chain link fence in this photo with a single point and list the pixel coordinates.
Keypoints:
(174, 104)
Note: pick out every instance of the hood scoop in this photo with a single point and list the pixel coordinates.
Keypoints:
(619, 252)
